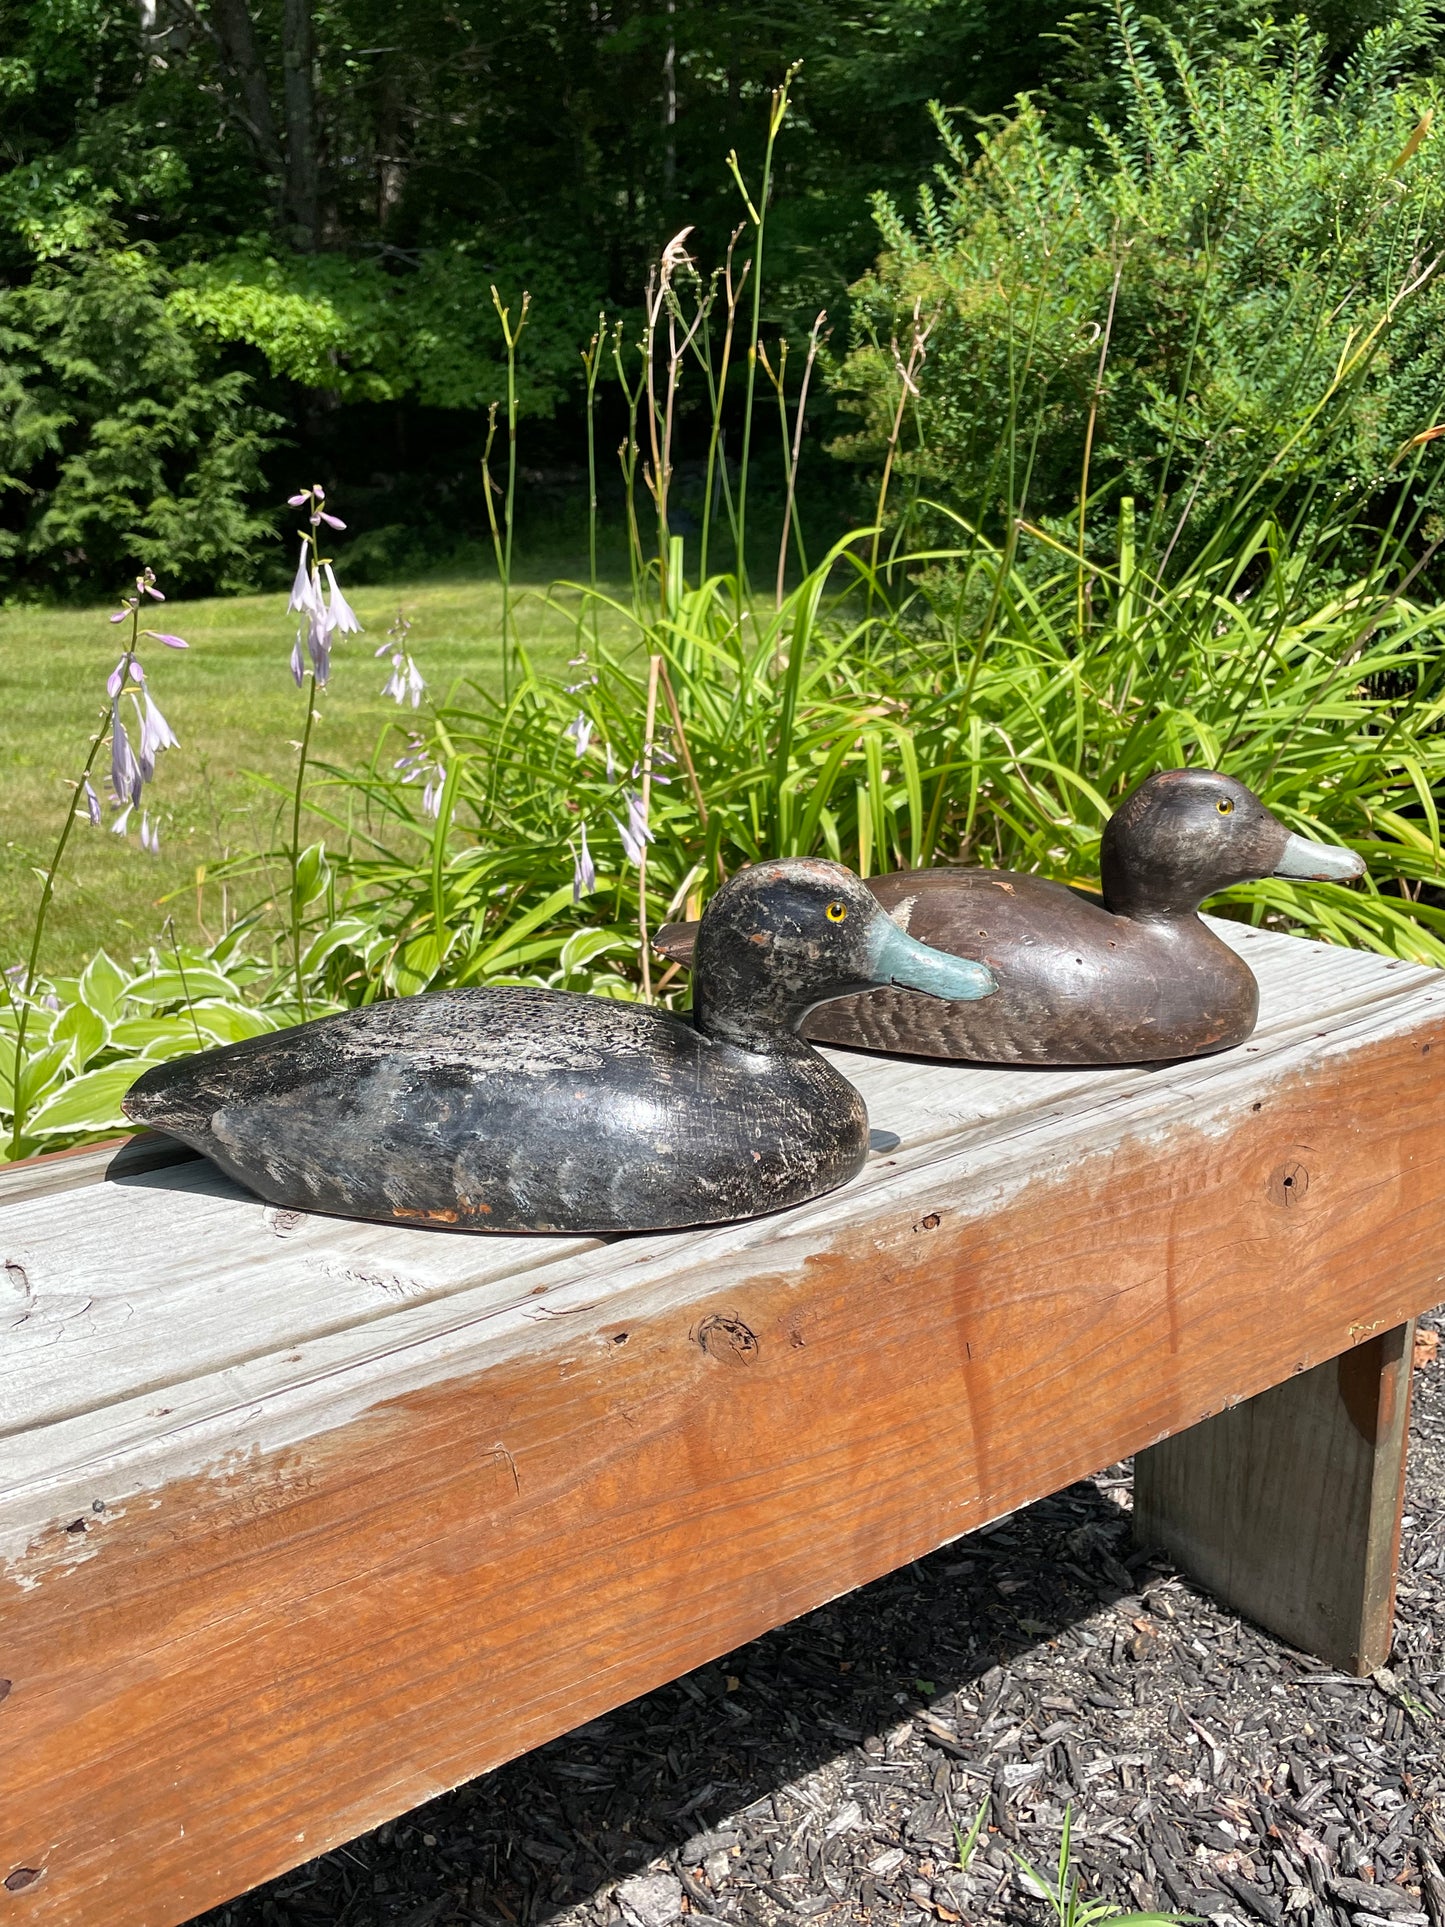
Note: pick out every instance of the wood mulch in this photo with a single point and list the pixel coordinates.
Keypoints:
(827, 1770)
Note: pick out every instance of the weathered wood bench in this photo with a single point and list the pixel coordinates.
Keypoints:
(302, 1522)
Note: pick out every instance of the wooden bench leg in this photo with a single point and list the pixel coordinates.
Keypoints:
(1287, 1507)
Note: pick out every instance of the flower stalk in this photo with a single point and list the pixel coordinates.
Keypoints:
(511, 336)
(129, 775)
(321, 621)
(758, 215)
(654, 671)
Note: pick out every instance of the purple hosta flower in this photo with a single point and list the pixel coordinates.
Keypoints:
(116, 678)
(91, 802)
(125, 775)
(156, 734)
(306, 585)
(343, 616)
(419, 764)
(405, 681)
(431, 796)
(150, 835)
(584, 871)
(298, 661)
(122, 615)
(171, 642)
(118, 828)
(318, 641)
(145, 584)
(312, 498)
(580, 730)
(635, 833)
(411, 762)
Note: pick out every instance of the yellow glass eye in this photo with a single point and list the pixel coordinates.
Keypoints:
(836, 911)
(1225, 806)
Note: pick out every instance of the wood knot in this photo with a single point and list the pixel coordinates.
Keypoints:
(22, 1878)
(1288, 1184)
(727, 1339)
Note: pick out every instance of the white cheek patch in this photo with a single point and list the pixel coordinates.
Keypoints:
(902, 912)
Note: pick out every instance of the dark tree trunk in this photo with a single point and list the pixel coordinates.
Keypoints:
(390, 166)
(250, 96)
(303, 186)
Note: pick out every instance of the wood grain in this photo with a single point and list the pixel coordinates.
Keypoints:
(1288, 1506)
(402, 1565)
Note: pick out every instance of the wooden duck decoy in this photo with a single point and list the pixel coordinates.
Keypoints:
(1134, 978)
(516, 1109)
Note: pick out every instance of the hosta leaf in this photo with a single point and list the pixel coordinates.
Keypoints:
(41, 1071)
(135, 1035)
(229, 1023)
(172, 987)
(87, 1103)
(414, 969)
(103, 985)
(584, 945)
(84, 1030)
(346, 933)
(313, 873)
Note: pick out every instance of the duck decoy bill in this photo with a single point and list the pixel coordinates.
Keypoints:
(531, 1109)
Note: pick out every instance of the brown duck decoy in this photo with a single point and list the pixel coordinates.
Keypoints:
(519, 1109)
(1130, 979)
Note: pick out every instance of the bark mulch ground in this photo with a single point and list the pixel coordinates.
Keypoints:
(1042, 1664)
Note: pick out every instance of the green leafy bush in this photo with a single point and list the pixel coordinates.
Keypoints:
(90, 1037)
(121, 430)
(428, 332)
(1232, 302)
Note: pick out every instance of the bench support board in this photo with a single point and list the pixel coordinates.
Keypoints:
(1287, 1507)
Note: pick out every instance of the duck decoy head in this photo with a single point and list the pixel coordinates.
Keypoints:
(783, 937)
(1185, 833)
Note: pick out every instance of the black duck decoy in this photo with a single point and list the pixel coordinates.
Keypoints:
(516, 1109)
(1132, 979)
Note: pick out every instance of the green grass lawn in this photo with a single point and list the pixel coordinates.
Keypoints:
(238, 715)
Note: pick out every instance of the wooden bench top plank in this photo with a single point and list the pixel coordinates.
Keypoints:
(174, 1319)
(332, 1580)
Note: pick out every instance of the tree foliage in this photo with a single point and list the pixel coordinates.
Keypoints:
(1232, 294)
(120, 432)
(305, 204)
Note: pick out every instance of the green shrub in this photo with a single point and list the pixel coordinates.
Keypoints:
(90, 1037)
(1231, 302)
(365, 332)
(121, 431)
